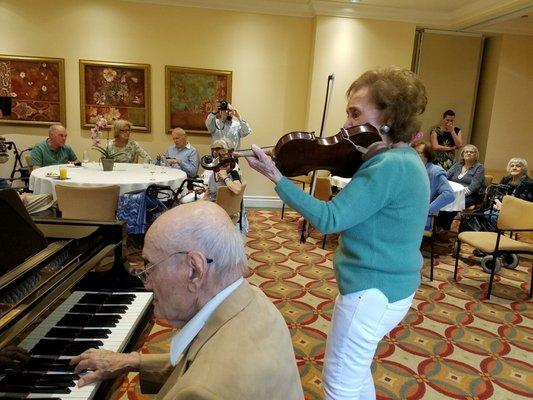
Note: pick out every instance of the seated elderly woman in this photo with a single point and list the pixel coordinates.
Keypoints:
(122, 143)
(226, 176)
(440, 191)
(517, 184)
(470, 173)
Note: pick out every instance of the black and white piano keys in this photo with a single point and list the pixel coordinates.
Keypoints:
(102, 320)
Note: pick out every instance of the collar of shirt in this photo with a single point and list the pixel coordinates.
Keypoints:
(187, 146)
(185, 336)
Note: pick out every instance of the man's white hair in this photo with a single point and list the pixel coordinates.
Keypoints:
(218, 239)
(54, 128)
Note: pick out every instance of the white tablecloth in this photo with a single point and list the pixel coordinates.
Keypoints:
(128, 176)
(458, 193)
(459, 198)
(339, 182)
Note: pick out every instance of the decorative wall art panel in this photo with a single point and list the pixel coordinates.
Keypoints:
(37, 88)
(115, 91)
(192, 93)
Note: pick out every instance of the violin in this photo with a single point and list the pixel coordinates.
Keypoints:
(215, 164)
(298, 153)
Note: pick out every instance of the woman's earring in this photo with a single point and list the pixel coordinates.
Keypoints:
(384, 129)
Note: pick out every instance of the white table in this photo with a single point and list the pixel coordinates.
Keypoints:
(458, 203)
(128, 176)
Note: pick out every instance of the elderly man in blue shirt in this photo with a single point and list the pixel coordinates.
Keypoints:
(182, 155)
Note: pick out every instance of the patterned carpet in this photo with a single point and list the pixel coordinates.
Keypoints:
(451, 345)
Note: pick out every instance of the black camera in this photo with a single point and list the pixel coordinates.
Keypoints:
(223, 105)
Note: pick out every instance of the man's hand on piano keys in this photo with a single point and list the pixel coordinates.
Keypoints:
(13, 357)
(104, 364)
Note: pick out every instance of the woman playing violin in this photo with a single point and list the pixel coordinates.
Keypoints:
(380, 216)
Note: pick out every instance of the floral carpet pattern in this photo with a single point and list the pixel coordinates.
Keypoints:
(452, 344)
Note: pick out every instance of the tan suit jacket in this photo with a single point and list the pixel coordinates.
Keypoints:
(244, 351)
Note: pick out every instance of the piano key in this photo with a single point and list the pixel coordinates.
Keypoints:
(98, 309)
(18, 398)
(48, 365)
(74, 333)
(82, 320)
(49, 389)
(116, 340)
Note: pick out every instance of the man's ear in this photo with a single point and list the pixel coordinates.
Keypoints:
(197, 270)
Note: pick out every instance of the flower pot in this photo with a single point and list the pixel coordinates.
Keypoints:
(107, 164)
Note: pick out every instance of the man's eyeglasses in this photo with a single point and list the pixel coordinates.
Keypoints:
(142, 273)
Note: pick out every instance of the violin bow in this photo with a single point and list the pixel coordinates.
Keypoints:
(329, 90)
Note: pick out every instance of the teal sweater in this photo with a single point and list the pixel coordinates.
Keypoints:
(380, 216)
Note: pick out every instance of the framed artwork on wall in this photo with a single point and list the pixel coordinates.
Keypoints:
(192, 93)
(115, 91)
(36, 86)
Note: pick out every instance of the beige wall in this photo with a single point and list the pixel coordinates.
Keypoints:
(347, 48)
(448, 66)
(269, 56)
(488, 78)
(507, 127)
(279, 64)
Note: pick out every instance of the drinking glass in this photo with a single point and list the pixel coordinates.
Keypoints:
(163, 163)
(85, 159)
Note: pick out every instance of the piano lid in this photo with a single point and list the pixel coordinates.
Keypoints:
(19, 237)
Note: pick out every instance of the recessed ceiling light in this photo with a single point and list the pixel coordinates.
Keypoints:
(355, 1)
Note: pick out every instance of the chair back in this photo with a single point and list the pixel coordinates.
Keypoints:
(489, 179)
(91, 203)
(323, 188)
(230, 201)
(515, 214)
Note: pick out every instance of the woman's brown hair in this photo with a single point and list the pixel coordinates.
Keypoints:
(428, 152)
(399, 94)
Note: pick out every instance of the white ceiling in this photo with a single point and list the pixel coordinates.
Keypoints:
(478, 16)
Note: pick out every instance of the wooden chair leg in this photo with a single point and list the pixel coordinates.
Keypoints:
(282, 210)
(324, 242)
(456, 259)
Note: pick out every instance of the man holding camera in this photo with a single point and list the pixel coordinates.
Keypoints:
(224, 122)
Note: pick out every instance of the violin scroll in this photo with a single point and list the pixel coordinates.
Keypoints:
(217, 163)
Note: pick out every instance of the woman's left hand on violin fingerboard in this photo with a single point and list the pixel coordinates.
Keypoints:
(264, 164)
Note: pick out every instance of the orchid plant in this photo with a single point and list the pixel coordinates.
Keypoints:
(96, 133)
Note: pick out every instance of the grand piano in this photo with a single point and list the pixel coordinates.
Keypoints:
(54, 306)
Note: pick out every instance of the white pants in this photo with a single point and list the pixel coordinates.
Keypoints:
(360, 320)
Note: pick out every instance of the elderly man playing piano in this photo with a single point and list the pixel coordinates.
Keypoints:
(233, 342)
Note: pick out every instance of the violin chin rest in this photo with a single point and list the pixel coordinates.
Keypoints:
(374, 149)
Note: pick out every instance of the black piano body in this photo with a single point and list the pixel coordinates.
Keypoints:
(57, 281)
